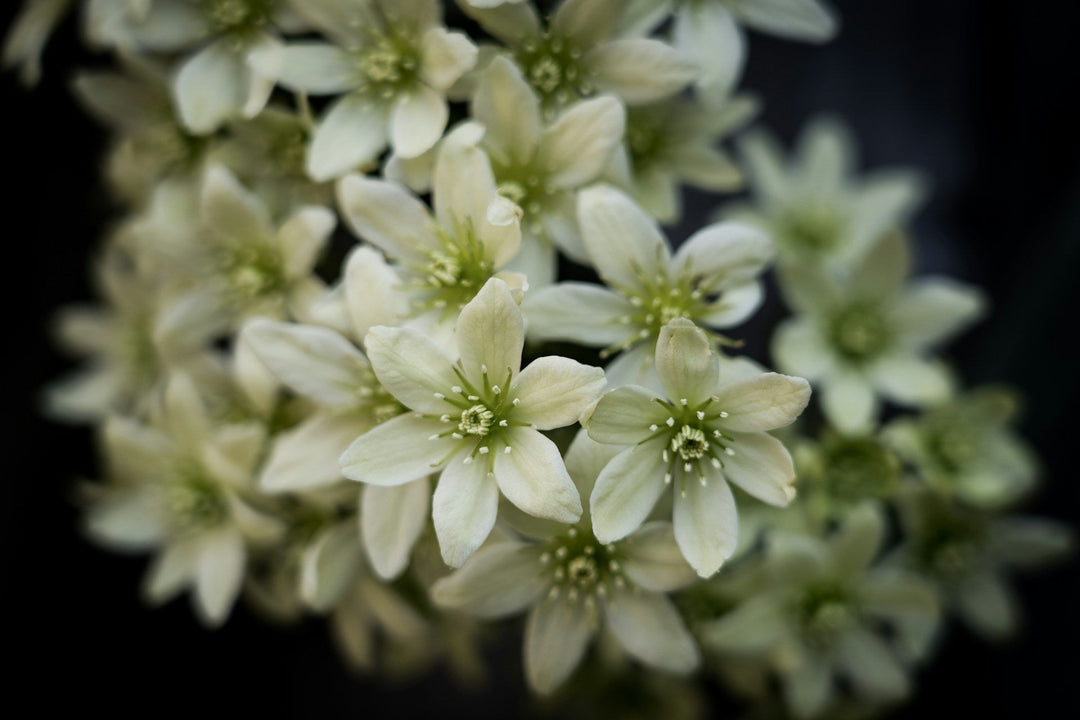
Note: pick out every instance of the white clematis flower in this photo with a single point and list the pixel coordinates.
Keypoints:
(711, 280)
(575, 586)
(869, 335)
(476, 421)
(703, 434)
(392, 62)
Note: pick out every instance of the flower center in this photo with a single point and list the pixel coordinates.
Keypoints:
(230, 16)
(194, 501)
(388, 64)
(811, 227)
(690, 443)
(552, 66)
(696, 441)
(859, 332)
(825, 611)
(856, 469)
(581, 568)
(454, 273)
(476, 420)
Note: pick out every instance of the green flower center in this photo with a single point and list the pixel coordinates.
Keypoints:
(645, 137)
(253, 270)
(948, 538)
(194, 501)
(238, 16)
(476, 420)
(453, 273)
(525, 184)
(552, 65)
(825, 611)
(693, 439)
(581, 568)
(811, 227)
(857, 469)
(389, 64)
(860, 332)
(690, 443)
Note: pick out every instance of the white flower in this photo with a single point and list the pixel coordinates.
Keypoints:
(812, 609)
(179, 485)
(672, 142)
(28, 35)
(394, 61)
(575, 586)
(703, 434)
(443, 260)
(576, 55)
(869, 335)
(712, 280)
(476, 421)
(539, 165)
(815, 208)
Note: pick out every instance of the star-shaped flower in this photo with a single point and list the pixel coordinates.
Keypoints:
(476, 421)
(704, 433)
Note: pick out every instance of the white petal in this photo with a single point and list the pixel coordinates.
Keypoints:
(262, 63)
(858, 541)
(987, 604)
(491, 333)
(640, 70)
(499, 579)
(555, 391)
(373, 291)
(306, 456)
(762, 467)
(620, 237)
(185, 414)
(849, 402)
(806, 20)
(210, 88)
(229, 210)
(871, 666)
(132, 519)
(763, 162)
(581, 312)
(219, 574)
(709, 34)
(508, 107)
(911, 380)
(799, 348)
(445, 57)
(556, 636)
(391, 520)
(652, 559)
(387, 216)
(729, 252)
(623, 416)
(463, 182)
(576, 147)
(706, 524)
(352, 132)
(398, 451)
(172, 569)
(636, 366)
(303, 236)
(411, 367)
(315, 362)
(762, 403)
(933, 309)
(650, 629)
(329, 565)
(317, 69)
(808, 687)
(464, 507)
(754, 626)
(534, 478)
(627, 490)
(417, 121)
(687, 364)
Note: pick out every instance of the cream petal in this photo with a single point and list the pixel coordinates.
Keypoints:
(230, 211)
(576, 148)
(417, 121)
(688, 366)
(412, 368)
(622, 241)
(623, 416)
(129, 520)
(464, 185)
(351, 133)
(329, 565)
(172, 569)
(883, 201)
(763, 162)
(848, 402)
(219, 574)
(707, 167)
(555, 391)
(398, 451)
(464, 507)
(303, 236)
(799, 348)
(387, 216)
(640, 70)
(500, 579)
(210, 88)
(316, 362)
(807, 688)
(262, 64)
(373, 291)
(491, 333)
(762, 467)
(185, 414)
(627, 490)
(987, 604)
(636, 366)
(755, 626)
(706, 524)
(651, 630)
(445, 57)
(765, 402)
(652, 559)
(534, 478)
(806, 20)
(391, 520)
(911, 380)
(708, 33)
(510, 22)
(580, 312)
(724, 255)
(858, 541)
(306, 456)
(556, 636)
(585, 460)
(826, 156)
(509, 109)
(318, 68)
(874, 670)
(933, 309)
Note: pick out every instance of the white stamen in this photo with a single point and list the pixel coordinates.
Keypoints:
(484, 450)
(670, 422)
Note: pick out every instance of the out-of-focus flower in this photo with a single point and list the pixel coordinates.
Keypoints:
(703, 434)
(576, 586)
(28, 34)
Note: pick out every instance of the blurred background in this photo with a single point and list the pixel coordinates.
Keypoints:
(981, 95)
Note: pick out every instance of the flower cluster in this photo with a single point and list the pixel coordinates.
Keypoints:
(389, 332)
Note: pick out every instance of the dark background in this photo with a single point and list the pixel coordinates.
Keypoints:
(981, 95)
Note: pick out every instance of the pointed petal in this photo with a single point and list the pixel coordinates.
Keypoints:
(210, 88)
(806, 20)
(509, 109)
(849, 402)
(219, 573)
(556, 635)
(724, 255)
(445, 57)
(762, 467)
(627, 490)
(623, 416)
(329, 565)
(498, 580)
(911, 380)
(640, 70)
(689, 368)
(987, 604)
(133, 519)
(652, 559)
(872, 667)
(555, 391)
(580, 312)
(933, 309)
(417, 121)
(762, 403)
(807, 688)
(755, 626)
(306, 456)
(351, 133)
(391, 519)
(318, 69)
(491, 332)
(303, 237)
(651, 630)
(622, 241)
(534, 478)
(387, 216)
(799, 348)
(576, 148)
(464, 506)
(706, 524)
(708, 33)
(373, 291)
(411, 367)
(229, 210)
(398, 451)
